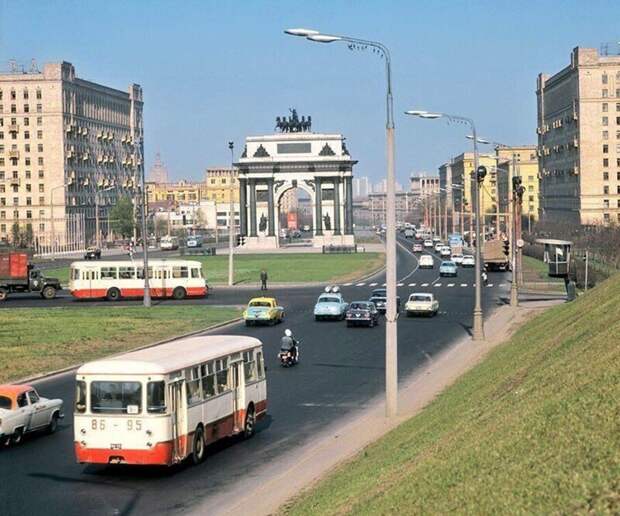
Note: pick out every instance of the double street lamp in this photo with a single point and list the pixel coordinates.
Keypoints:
(479, 172)
(391, 360)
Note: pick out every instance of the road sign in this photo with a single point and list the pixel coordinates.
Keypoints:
(520, 243)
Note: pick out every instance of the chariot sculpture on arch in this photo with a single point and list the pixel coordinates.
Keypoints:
(293, 124)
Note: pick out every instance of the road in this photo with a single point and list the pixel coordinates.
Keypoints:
(341, 371)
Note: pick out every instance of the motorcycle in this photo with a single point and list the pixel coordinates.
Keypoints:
(287, 359)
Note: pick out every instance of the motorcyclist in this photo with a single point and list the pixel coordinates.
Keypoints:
(288, 344)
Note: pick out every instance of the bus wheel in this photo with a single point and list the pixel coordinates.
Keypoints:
(179, 293)
(48, 292)
(3, 294)
(198, 452)
(113, 294)
(250, 423)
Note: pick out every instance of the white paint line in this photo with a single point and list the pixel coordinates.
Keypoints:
(360, 284)
(412, 284)
(490, 285)
(347, 284)
(372, 284)
(424, 285)
(400, 284)
(437, 285)
(450, 284)
(463, 284)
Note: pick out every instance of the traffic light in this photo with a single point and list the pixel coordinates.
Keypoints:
(240, 240)
(506, 247)
(516, 182)
(481, 173)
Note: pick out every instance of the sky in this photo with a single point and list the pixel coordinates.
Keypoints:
(214, 72)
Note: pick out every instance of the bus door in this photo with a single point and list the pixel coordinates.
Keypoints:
(238, 388)
(176, 393)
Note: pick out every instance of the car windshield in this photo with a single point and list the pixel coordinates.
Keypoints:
(329, 300)
(379, 293)
(457, 256)
(447, 264)
(256, 304)
(420, 297)
(116, 397)
(5, 402)
(360, 306)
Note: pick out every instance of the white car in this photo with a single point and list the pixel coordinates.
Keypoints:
(417, 248)
(457, 258)
(426, 261)
(428, 243)
(422, 303)
(445, 251)
(438, 247)
(468, 261)
(23, 411)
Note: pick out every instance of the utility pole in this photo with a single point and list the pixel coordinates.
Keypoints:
(231, 218)
(586, 278)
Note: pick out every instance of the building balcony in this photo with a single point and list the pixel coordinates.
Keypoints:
(14, 154)
(14, 181)
(13, 128)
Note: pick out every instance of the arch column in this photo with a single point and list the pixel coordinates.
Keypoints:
(252, 207)
(348, 206)
(270, 208)
(318, 208)
(243, 209)
(337, 206)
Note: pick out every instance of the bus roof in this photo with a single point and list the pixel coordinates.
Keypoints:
(171, 356)
(134, 263)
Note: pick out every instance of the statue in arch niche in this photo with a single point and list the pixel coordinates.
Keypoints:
(262, 223)
(328, 222)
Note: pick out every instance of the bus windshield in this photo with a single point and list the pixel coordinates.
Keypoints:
(115, 397)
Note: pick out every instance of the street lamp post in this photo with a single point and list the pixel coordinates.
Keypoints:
(53, 229)
(231, 218)
(391, 358)
(145, 245)
(98, 233)
(478, 327)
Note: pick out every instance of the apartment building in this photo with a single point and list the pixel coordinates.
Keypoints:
(579, 140)
(405, 206)
(63, 142)
(221, 183)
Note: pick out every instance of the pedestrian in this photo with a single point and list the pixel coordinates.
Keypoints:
(263, 279)
(485, 277)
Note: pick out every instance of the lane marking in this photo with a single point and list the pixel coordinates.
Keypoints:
(412, 284)
(490, 285)
(424, 285)
(347, 284)
(450, 284)
(360, 284)
(384, 285)
(400, 284)
(437, 285)
(372, 284)
(463, 284)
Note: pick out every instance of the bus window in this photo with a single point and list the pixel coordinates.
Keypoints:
(195, 272)
(109, 273)
(260, 363)
(208, 386)
(126, 272)
(80, 397)
(179, 272)
(249, 366)
(155, 397)
(221, 376)
(193, 392)
(75, 274)
(115, 397)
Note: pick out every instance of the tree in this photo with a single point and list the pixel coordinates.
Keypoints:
(121, 217)
(16, 235)
(28, 236)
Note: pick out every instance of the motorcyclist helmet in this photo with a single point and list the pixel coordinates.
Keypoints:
(288, 333)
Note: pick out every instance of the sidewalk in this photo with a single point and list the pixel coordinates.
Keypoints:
(342, 442)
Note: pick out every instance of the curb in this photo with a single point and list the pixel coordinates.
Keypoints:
(43, 376)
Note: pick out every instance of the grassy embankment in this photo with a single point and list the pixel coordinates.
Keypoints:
(36, 340)
(534, 429)
(536, 277)
(281, 268)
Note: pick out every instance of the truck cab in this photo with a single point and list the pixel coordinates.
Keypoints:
(18, 275)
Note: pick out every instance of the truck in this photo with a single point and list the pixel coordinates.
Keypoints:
(494, 256)
(456, 244)
(17, 274)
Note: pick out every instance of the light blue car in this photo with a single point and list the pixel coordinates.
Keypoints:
(448, 269)
(330, 305)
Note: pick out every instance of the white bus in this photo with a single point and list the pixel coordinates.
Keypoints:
(163, 404)
(114, 280)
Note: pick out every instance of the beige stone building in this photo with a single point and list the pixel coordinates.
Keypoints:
(579, 140)
(221, 183)
(64, 140)
(525, 165)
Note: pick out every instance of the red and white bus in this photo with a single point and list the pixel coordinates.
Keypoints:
(164, 404)
(114, 280)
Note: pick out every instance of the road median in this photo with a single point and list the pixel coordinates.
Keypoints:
(37, 341)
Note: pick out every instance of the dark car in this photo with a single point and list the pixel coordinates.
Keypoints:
(379, 298)
(362, 313)
(92, 253)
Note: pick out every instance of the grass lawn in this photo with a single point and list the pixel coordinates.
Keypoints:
(36, 340)
(534, 429)
(281, 268)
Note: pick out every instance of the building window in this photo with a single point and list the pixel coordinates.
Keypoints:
(40, 147)
(605, 162)
(605, 176)
(605, 135)
(41, 188)
(605, 149)
(39, 108)
(38, 94)
(25, 94)
(606, 217)
(28, 201)
(28, 175)
(41, 201)
(29, 188)
(27, 135)
(605, 120)
(39, 120)
(605, 93)
(40, 161)
(605, 107)
(606, 190)
(28, 214)
(39, 134)
(26, 108)
(26, 121)
(41, 174)
(13, 108)
(605, 78)
(13, 95)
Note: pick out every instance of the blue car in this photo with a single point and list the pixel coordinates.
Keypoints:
(448, 269)
(330, 305)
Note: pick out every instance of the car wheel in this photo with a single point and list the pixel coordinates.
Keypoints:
(281, 320)
(371, 323)
(249, 426)
(48, 292)
(113, 294)
(248, 323)
(349, 324)
(317, 318)
(198, 450)
(17, 436)
(53, 426)
(3, 294)
(179, 293)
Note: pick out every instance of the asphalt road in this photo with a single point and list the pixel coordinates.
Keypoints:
(341, 371)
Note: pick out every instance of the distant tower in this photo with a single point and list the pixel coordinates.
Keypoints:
(158, 172)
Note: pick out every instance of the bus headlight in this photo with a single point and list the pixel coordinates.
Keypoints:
(83, 443)
(83, 431)
(149, 444)
(149, 433)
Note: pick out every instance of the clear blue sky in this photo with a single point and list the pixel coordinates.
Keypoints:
(219, 71)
